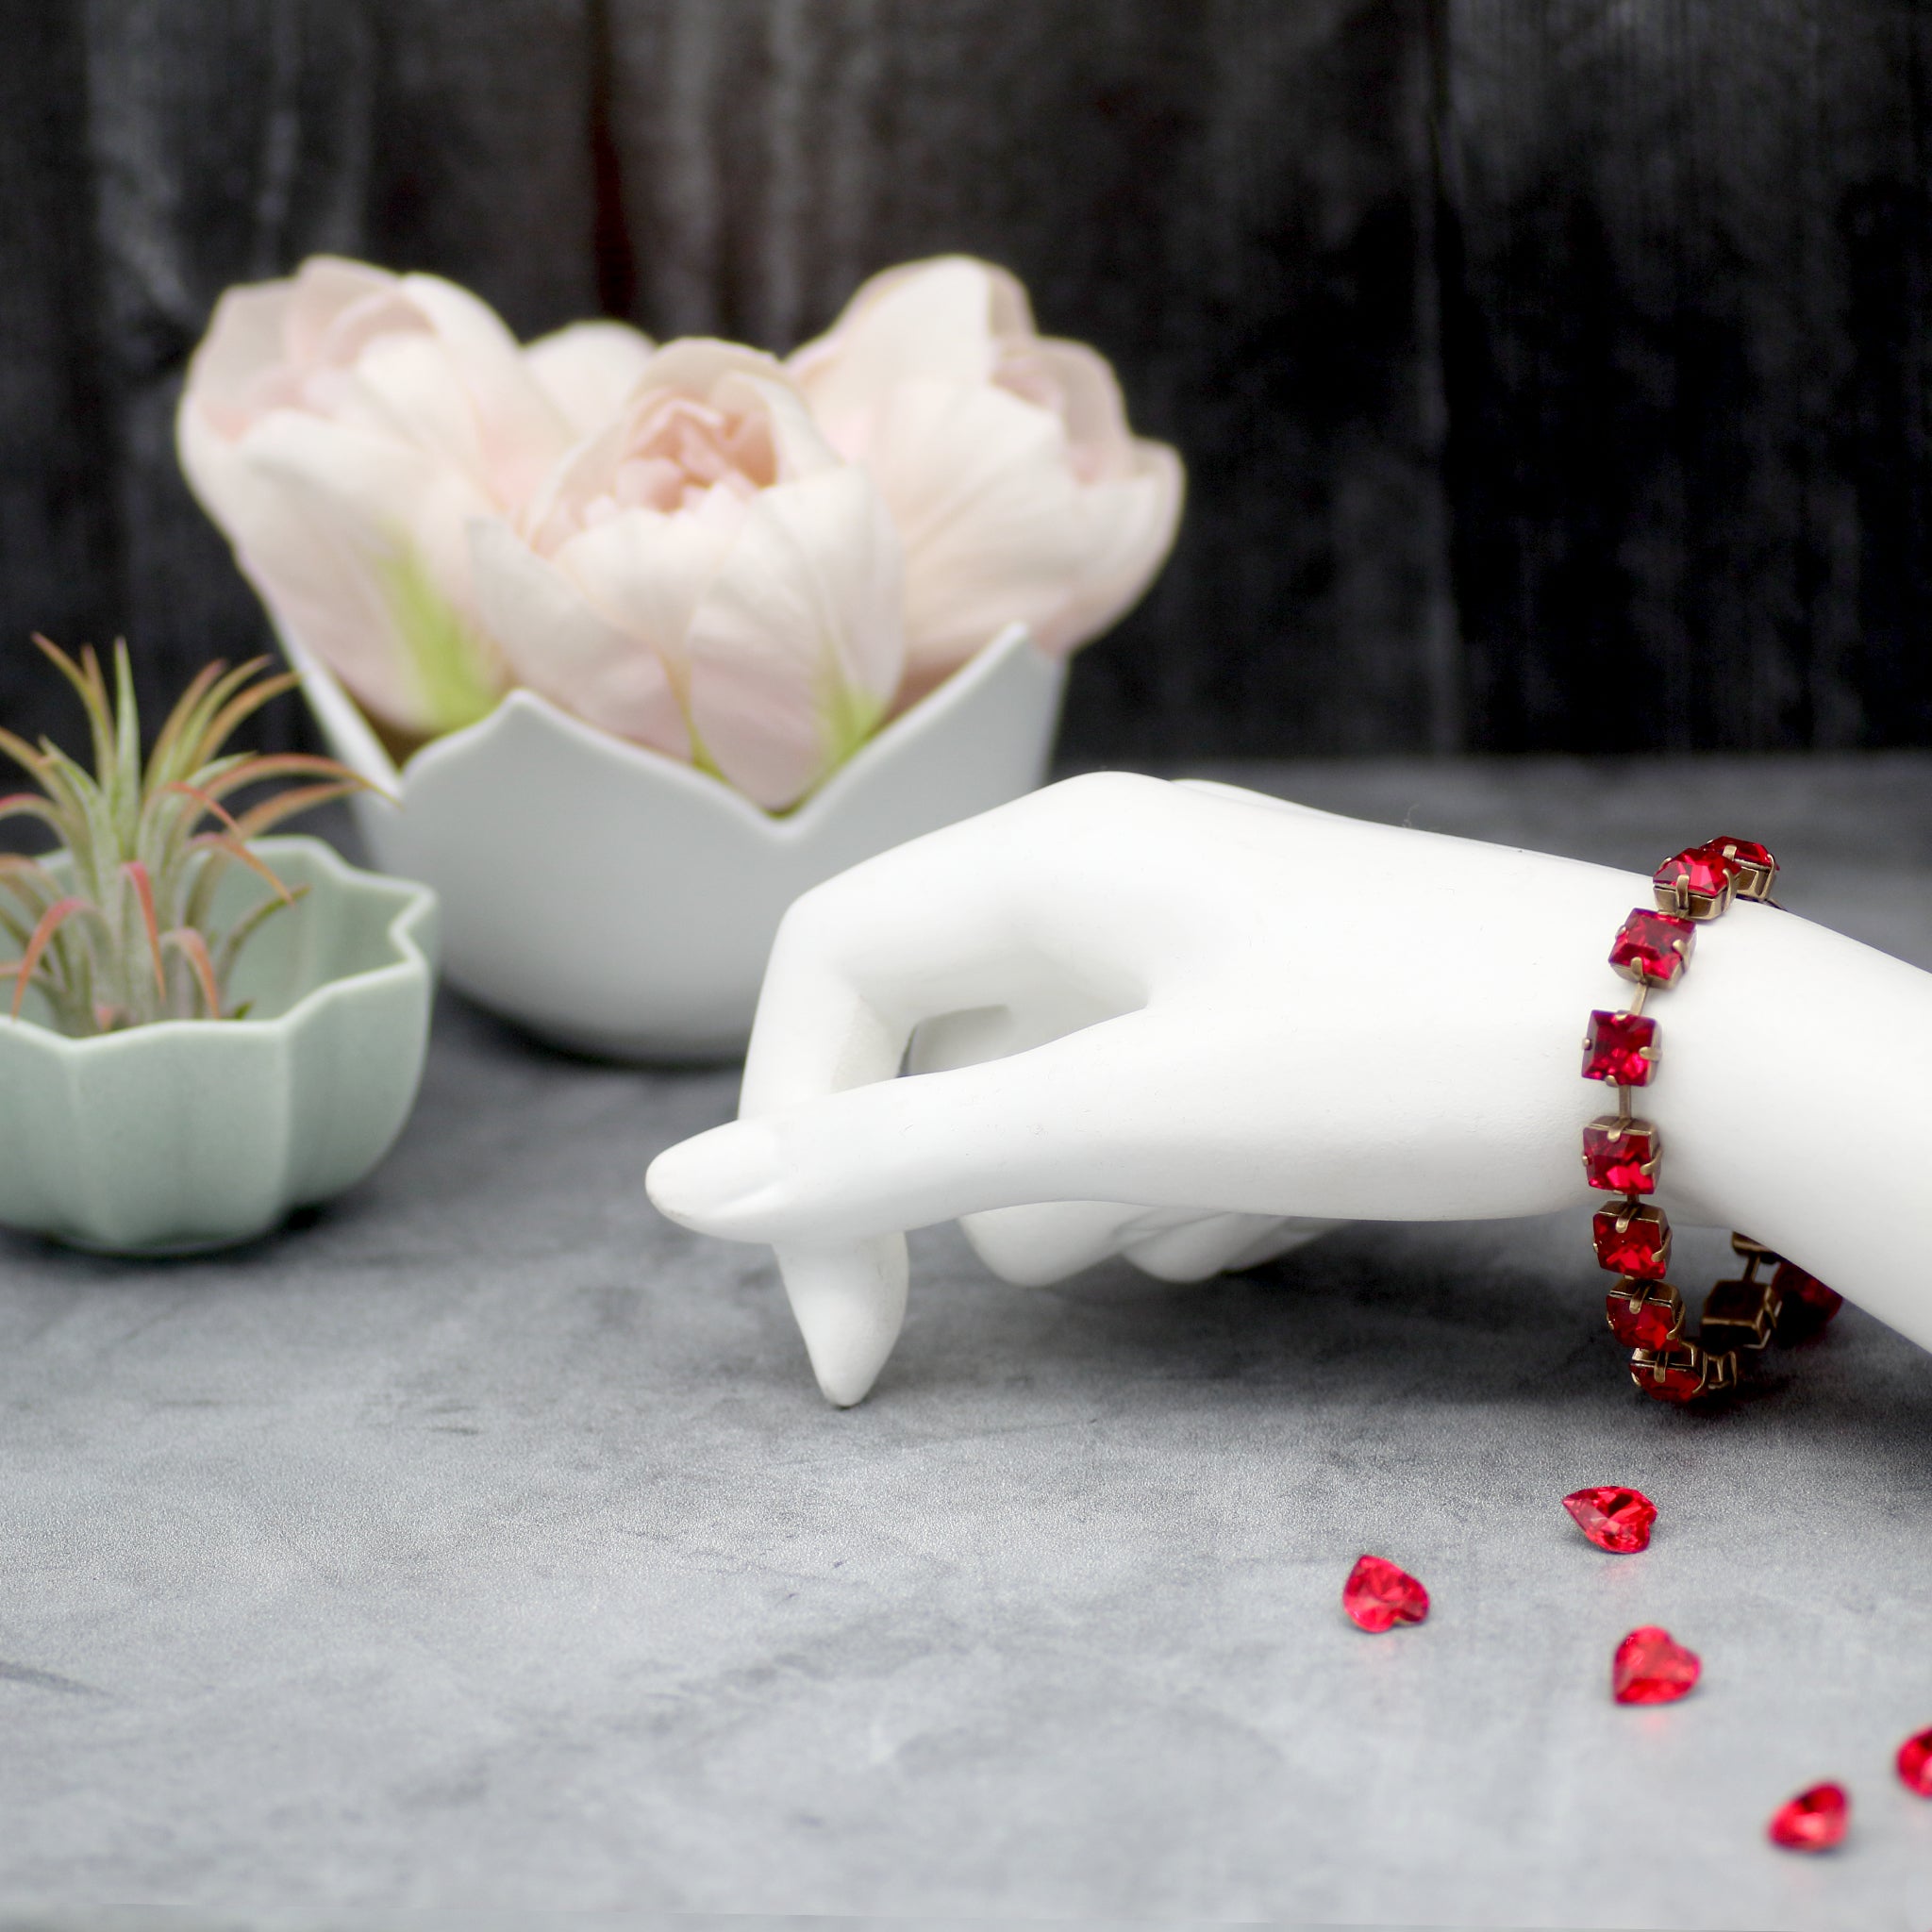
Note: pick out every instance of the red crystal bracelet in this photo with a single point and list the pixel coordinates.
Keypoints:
(1621, 1154)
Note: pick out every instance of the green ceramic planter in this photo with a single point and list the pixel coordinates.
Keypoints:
(197, 1134)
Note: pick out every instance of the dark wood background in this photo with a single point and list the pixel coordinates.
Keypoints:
(1551, 373)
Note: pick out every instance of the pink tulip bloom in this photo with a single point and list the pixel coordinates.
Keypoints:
(703, 574)
(1005, 459)
(345, 426)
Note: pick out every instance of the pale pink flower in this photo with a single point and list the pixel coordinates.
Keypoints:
(1004, 456)
(587, 368)
(345, 426)
(704, 576)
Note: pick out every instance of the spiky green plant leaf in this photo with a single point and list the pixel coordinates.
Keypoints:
(131, 938)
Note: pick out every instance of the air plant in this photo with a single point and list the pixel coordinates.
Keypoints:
(129, 936)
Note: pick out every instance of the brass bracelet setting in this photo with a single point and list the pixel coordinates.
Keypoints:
(1773, 1300)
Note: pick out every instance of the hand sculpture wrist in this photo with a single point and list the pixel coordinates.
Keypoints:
(1622, 1154)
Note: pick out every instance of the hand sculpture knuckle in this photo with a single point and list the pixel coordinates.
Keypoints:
(1116, 792)
(814, 914)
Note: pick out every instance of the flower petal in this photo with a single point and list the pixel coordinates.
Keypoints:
(800, 445)
(558, 644)
(796, 648)
(324, 290)
(997, 527)
(588, 368)
(696, 364)
(1130, 527)
(1092, 406)
(986, 507)
(645, 572)
(405, 388)
(212, 462)
(523, 432)
(359, 545)
(244, 339)
(941, 319)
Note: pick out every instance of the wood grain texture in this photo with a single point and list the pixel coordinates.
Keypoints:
(482, 166)
(1686, 354)
(59, 549)
(227, 138)
(1507, 341)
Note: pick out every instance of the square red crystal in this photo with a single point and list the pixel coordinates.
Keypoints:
(1738, 1314)
(1755, 868)
(1670, 1374)
(1641, 1320)
(1620, 1047)
(1651, 948)
(1632, 1240)
(1620, 1156)
(1696, 882)
(1805, 1305)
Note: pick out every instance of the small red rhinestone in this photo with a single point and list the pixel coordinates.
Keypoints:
(1675, 1374)
(1742, 852)
(1652, 947)
(1652, 1667)
(1697, 881)
(1644, 1319)
(1378, 1594)
(1737, 1314)
(1915, 1763)
(1620, 1047)
(1632, 1240)
(1814, 1820)
(1613, 1518)
(1805, 1305)
(1756, 869)
(1620, 1156)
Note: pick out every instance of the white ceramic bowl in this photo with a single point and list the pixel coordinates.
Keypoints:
(618, 902)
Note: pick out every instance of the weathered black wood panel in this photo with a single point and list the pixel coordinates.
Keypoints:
(1509, 342)
(225, 141)
(1686, 345)
(481, 162)
(58, 549)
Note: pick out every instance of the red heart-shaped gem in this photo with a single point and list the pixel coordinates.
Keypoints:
(1614, 1517)
(1379, 1594)
(1652, 1667)
(1915, 1763)
(1814, 1820)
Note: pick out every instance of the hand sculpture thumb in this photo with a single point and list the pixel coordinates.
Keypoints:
(848, 1298)
(829, 1183)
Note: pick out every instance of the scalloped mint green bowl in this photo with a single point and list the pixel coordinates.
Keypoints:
(194, 1134)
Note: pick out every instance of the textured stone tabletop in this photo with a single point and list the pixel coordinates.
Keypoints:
(480, 1549)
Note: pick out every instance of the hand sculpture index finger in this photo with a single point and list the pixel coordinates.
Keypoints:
(952, 921)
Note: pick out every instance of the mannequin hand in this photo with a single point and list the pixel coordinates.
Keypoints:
(1208, 1005)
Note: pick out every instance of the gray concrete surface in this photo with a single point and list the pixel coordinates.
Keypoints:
(480, 1552)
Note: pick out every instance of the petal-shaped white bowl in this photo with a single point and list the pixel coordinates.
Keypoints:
(619, 902)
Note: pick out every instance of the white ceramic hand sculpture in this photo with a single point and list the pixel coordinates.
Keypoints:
(1193, 1025)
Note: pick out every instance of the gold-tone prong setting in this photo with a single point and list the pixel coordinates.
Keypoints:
(1740, 1316)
